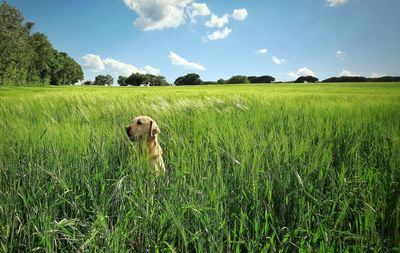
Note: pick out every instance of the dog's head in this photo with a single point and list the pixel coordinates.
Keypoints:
(142, 128)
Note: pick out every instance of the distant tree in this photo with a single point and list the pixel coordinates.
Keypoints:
(122, 81)
(88, 82)
(346, 79)
(102, 80)
(221, 81)
(238, 79)
(261, 79)
(385, 79)
(157, 80)
(136, 79)
(306, 79)
(189, 79)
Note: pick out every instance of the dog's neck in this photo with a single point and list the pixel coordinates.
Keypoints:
(151, 142)
(148, 144)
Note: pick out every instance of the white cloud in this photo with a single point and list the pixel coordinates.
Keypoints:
(239, 14)
(93, 62)
(348, 73)
(158, 14)
(377, 75)
(262, 51)
(151, 70)
(333, 3)
(277, 61)
(120, 68)
(215, 21)
(179, 61)
(219, 34)
(96, 64)
(304, 71)
(340, 54)
(198, 9)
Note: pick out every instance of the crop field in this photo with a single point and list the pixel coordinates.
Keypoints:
(251, 168)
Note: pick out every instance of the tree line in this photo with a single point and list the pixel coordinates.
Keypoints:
(28, 58)
(194, 79)
(138, 79)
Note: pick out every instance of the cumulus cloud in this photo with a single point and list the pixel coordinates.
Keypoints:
(377, 75)
(217, 22)
(340, 54)
(262, 51)
(348, 73)
(120, 68)
(180, 61)
(277, 61)
(304, 71)
(96, 64)
(334, 3)
(158, 14)
(93, 62)
(239, 14)
(198, 9)
(218, 35)
(151, 70)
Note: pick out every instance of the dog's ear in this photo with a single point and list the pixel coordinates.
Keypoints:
(153, 129)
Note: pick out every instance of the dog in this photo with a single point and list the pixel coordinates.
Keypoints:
(144, 130)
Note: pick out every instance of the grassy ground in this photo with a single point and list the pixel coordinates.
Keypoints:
(251, 168)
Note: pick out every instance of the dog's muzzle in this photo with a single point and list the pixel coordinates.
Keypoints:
(131, 136)
(128, 133)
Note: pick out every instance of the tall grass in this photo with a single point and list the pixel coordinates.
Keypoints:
(250, 169)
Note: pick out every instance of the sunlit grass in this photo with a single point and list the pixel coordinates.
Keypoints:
(250, 168)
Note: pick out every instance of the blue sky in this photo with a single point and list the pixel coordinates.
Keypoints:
(221, 38)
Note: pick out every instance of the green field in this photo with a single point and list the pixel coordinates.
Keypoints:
(251, 168)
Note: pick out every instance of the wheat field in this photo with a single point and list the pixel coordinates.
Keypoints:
(251, 168)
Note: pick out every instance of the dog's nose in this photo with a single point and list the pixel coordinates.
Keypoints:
(128, 129)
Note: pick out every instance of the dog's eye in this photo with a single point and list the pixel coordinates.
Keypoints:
(139, 122)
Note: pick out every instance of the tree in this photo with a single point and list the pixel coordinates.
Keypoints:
(102, 80)
(157, 80)
(65, 70)
(189, 79)
(385, 79)
(30, 59)
(238, 79)
(261, 79)
(345, 79)
(122, 81)
(88, 82)
(306, 79)
(15, 51)
(43, 59)
(221, 81)
(136, 79)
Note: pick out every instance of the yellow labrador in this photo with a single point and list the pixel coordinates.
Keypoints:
(144, 130)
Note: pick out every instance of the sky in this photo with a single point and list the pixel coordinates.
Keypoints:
(221, 38)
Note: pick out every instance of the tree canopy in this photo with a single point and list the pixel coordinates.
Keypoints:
(102, 80)
(138, 79)
(238, 79)
(28, 58)
(349, 79)
(261, 79)
(306, 79)
(189, 79)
